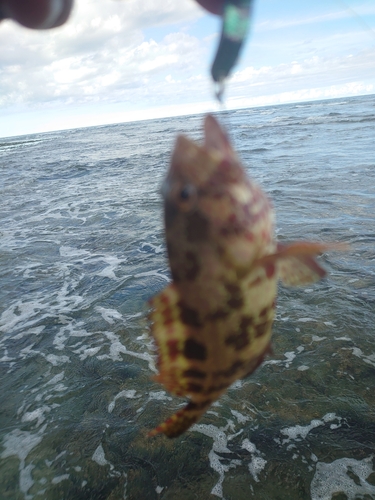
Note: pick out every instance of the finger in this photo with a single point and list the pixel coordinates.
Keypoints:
(213, 6)
(37, 14)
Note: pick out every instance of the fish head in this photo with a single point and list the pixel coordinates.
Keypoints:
(198, 172)
(211, 203)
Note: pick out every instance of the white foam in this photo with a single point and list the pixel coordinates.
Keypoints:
(335, 477)
(109, 315)
(289, 356)
(56, 379)
(241, 418)
(116, 348)
(219, 446)
(299, 432)
(56, 360)
(59, 479)
(358, 352)
(99, 457)
(257, 463)
(256, 466)
(315, 338)
(154, 248)
(130, 394)
(66, 251)
(87, 352)
(303, 368)
(20, 443)
(26, 480)
(159, 396)
(153, 273)
(37, 415)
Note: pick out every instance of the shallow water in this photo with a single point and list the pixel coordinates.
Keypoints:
(82, 250)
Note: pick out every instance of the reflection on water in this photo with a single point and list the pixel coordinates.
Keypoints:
(82, 250)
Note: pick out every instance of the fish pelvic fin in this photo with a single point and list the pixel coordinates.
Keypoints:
(178, 423)
(296, 264)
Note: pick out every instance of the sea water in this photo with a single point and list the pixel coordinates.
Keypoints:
(81, 252)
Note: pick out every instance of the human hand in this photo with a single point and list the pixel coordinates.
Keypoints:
(213, 6)
(36, 14)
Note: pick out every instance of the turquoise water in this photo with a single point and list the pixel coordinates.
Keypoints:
(81, 251)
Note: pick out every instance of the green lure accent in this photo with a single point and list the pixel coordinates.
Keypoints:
(236, 22)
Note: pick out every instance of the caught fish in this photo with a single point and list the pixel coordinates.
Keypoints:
(212, 325)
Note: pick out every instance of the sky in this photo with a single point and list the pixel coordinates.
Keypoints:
(125, 60)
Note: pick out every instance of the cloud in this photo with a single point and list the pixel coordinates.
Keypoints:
(316, 72)
(101, 53)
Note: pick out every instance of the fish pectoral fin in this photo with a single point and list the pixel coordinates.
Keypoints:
(178, 423)
(296, 264)
(179, 353)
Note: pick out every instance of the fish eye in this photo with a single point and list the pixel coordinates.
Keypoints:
(186, 197)
(187, 192)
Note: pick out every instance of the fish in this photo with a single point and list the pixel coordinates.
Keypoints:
(212, 324)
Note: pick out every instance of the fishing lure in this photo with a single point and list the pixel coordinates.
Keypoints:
(236, 20)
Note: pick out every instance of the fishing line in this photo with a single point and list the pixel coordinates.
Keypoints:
(359, 18)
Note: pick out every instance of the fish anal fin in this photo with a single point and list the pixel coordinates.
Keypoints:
(178, 423)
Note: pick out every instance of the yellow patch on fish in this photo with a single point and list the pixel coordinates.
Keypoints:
(213, 324)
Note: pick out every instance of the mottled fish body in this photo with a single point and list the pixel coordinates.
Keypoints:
(212, 325)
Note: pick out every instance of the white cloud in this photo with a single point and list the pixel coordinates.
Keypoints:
(319, 72)
(101, 49)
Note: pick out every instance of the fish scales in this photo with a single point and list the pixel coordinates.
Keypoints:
(212, 325)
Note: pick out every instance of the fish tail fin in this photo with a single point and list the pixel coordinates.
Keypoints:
(178, 423)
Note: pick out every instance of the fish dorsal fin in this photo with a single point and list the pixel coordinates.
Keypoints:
(180, 351)
(295, 262)
(215, 138)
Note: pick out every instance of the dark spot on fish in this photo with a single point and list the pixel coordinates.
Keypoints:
(238, 341)
(270, 270)
(262, 328)
(218, 314)
(197, 227)
(189, 316)
(192, 266)
(173, 349)
(191, 387)
(235, 300)
(194, 374)
(231, 230)
(195, 350)
(264, 311)
(167, 318)
(246, 321)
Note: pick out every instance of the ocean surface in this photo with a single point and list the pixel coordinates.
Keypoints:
(81, 252)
